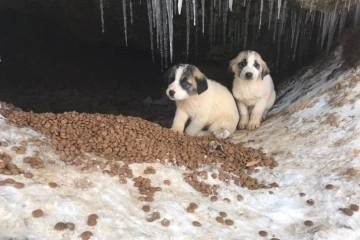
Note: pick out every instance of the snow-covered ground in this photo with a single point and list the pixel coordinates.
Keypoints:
(313, 132)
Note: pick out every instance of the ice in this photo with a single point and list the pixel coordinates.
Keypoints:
(187, 5)
(203, 15)
(194, 11)
(279, 8)
(357, 13)
(179, 6)
(125, 23)
(151, 28)
(231, 4)
(271, 7)
(334, 16)
(298, 32)
(131, 12)
(102, 16)
(261, 11)
(225, 13)
(342, 21)
(248, 5)
(170, 26)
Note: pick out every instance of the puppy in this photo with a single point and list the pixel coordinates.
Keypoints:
(253, 88)
(209, 105)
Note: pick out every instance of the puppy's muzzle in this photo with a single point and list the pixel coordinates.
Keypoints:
(171, 93)
(248, 75)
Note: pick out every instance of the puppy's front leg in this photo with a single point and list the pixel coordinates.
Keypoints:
(244, 114)
(256, 115)
(179, 120)
(195, 128)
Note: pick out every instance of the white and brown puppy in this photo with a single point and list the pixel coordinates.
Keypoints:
(253, 88)
(209, 105)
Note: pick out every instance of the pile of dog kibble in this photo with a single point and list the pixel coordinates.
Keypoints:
(134, 140)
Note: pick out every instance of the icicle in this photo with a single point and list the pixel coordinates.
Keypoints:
(298, 31)
(165, 30)
(170, 14)
(271, 6)
(283, 18)
(244, 3)
(261, 11)
(279, 8)
(275, 29)
(150, 14)
(102, 16)
(196, 41)
(203, 15)
(125, 24)
(131, 13)
(246, 23)
(179, 6)
(254, 24)
(332, 26)
(343, 16)
(194, 11)
(293, 27)
(187, 5)
(225, 21)
(357, 13)
(211, 28)
(230, 5)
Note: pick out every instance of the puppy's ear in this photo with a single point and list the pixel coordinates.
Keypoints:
(201, 83)
(265, 70)
(232, 65)
(169, 75)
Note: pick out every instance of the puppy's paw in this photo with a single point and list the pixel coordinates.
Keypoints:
(242, 125)
(253, 125)
(222, 133)
(177, 130)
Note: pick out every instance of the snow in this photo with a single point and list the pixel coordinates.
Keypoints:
(311, 131)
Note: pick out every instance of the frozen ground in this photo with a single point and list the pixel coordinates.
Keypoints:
(313, 132)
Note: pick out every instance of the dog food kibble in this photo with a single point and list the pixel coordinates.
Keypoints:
(9, 181)
(4, 144)
(308, 223)
(196, 224)
(28, 175)
(94, 215)
(70, 226)
(53, 185)
(302, 194)
(86, 235)
(190, 210)
(310, 202)
(165, 222)
(274, 238)
(263, 233)
(19, 185)
(229, 222)
(219, 219)
(37, 213)
(193, 205)
(146, 208)
(226, 200)
(354, 207)
(239, 197)
(153, 216)
(347, 211)
(329, 186)
(223, 214)
(213, 198)
(60, 226)
(167, 182)
(91, 221)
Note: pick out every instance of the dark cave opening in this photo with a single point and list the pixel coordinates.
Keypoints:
(45, 68)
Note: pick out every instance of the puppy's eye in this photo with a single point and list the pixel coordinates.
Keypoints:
(243, 63)
(256, 65)
(184, 83)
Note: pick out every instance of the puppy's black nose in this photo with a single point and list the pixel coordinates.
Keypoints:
(171, 93)
(248, 75)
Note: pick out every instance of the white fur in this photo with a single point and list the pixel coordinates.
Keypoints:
(215, 108)
(254, 96)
